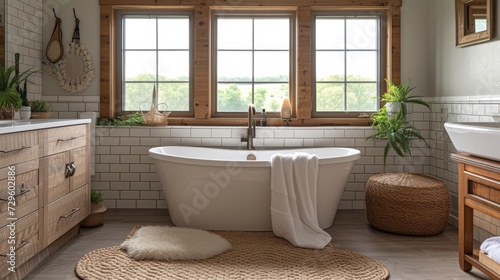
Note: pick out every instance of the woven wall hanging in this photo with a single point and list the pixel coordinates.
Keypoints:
(75, 71)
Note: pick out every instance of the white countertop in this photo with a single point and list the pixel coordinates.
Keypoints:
(10, 126)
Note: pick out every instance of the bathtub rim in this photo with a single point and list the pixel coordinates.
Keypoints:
(350, 155)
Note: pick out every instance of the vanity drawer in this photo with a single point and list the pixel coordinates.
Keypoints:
(27, 190)
(66, 172)
(27, 242)
(483, 187)
(19, 147)
(66, 138)
(66, 212)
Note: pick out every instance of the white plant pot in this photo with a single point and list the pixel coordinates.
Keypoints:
(392, 107)
(17, 115)
(25, 112)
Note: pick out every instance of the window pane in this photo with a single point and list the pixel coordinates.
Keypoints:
(362, 66)
(329, 97)
(253, 62)
(329, 34)
(272, 34)
(173, 65)
(234, 66)
(175, 95)
(156, 50)
(362, 97)
(234, 34)
(138, 96)
(270, 96)
(233, 97)
(330, 66)
(272, 66)
(140, 65)
(140, 33)
(361, 34)
(173, 33)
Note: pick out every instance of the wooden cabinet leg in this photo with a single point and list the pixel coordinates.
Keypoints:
(465, 223)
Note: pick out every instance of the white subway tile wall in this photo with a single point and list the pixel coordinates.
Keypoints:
(127, 178)
(70, 107)
(24, 36)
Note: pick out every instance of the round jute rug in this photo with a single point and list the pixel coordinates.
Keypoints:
(254, 255)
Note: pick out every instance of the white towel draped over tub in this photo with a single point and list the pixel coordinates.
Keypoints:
(293, 200)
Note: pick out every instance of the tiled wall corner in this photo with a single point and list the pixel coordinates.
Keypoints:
(458, 109)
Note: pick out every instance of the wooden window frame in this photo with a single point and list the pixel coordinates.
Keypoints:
(202, 58)
(292, 55)
(381, 61)
(119, 80)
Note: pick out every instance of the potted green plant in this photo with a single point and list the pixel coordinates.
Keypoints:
(403, 202)
(25, 110)
(39, 109)
(97, 211)
(393, 125)
(10, 88)
(9, 97)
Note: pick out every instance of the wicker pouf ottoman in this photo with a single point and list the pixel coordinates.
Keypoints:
(407, 203)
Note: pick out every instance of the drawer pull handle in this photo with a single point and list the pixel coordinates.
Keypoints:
(23, 243)
(73, 211)
(23, 191)
(15, 150)
(66, 139)
(73, 168)
(70, 170)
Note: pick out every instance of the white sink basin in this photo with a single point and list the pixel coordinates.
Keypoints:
(480, 139)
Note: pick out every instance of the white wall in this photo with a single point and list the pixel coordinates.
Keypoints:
(88, 13)
(415, 45)
(468, 71)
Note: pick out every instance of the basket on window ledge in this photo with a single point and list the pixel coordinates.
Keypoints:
(155, 117)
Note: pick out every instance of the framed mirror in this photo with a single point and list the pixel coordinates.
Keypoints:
(474, 20)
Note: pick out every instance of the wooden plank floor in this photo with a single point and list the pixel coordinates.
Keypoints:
(406, 257)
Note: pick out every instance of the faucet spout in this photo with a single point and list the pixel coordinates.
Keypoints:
(251, 127)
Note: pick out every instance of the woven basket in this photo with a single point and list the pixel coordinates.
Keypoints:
(407, 203)
(154, 117)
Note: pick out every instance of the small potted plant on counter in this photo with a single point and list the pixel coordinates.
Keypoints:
(97, 210)
(39, 109)
(25, 110)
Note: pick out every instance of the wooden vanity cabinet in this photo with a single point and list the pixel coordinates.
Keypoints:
(478, 190)
(67, 194)
(52, 193)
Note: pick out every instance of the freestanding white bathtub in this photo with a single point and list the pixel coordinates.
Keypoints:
(219, 189)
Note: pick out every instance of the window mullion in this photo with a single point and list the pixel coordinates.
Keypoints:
(157, 61)
(345, 64)
(253, 60)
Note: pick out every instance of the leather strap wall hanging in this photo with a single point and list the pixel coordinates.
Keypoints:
(55, 50)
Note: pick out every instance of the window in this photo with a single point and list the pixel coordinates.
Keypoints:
(347, 52)
(155, 51)
(297, 76)
(253, 62)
